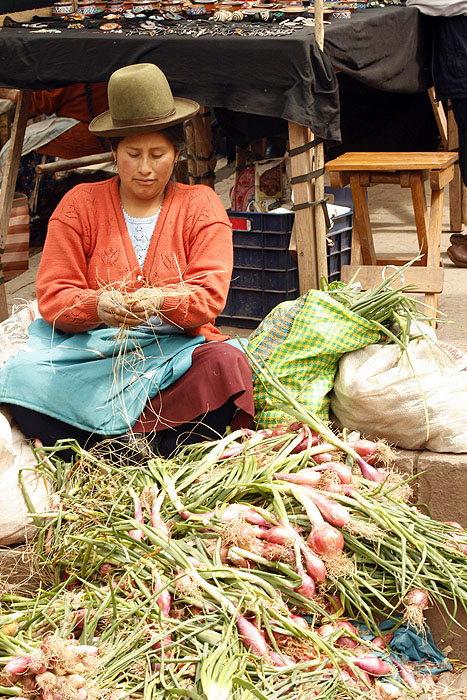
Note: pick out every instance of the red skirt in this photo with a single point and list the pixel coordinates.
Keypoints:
(219, 372)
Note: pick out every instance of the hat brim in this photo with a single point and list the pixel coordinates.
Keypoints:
(103, 124)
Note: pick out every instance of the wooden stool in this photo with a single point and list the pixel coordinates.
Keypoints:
(362, 170)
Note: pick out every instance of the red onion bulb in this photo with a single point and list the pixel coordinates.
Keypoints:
(326, 540)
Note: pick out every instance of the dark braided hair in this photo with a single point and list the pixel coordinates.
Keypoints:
(175, 134)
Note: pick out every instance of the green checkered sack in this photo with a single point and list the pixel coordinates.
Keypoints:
(302, 341)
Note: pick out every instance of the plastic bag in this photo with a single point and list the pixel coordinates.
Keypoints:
(301, 341)
(376, 392)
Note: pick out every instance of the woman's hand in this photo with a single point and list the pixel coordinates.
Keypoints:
(145, 302)
(118, 310)
(115, 312)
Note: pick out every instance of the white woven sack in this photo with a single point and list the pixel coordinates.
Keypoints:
(14, 330)
(15, 453)
(376, 393)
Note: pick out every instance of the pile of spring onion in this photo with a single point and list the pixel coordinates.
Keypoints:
(241, 568)
(391, 310)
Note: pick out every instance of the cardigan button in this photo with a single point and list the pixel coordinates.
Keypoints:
(139, 278)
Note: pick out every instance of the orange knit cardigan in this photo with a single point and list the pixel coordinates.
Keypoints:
(88, 249)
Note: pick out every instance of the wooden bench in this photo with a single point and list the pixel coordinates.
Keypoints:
(361, 170)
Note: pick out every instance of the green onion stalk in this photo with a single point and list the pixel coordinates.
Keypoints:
(386, 307)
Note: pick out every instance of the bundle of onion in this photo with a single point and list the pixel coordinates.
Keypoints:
(57, 670)
(416, 601)
(254, 585)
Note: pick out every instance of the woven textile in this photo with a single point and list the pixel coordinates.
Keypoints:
(15, 258)
(301, 341)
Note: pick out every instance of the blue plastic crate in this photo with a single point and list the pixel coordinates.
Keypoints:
(265, 273)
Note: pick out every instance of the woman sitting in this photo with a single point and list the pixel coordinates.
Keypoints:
(134, 272)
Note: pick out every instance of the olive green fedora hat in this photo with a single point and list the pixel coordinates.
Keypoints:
(140, 100)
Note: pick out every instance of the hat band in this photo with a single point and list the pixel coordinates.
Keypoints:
(143, 120)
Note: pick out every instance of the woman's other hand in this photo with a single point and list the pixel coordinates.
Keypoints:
(145, 302)
(115, 312)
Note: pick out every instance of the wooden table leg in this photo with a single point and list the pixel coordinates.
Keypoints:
(420, 210)
(7, 191)
(355, 249)
(321, 228)
(362, 218)
(433, 258)
(309, 233)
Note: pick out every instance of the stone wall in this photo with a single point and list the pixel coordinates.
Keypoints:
(441, 488)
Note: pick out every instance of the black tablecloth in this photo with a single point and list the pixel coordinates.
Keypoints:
(283, 76)
(387, 48)
(280, 76)
(21, 5)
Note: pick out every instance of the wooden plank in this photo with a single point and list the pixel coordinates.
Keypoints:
(440, 116)
(393, 177)
(355, 248)
(390, 161)
(396, 259)
(62, 165)
(434, 228)
(240, 161)
(318, 211)
(319, 22)
(370, 276)
(190, 151)
(440, 178)
(455, 186)
(10, 174)
(5, 126)
(338, 180)
(362, 217)
(318, 157)
(431, 301)
(304, 222)
(420, 212)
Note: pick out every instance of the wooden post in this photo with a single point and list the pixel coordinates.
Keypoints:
(318, 154)
(304, 222)
(201, 156)
(7, 191)
(456, 185)
(5, 126)
(319, 23)
(309, 224)
(59, 166)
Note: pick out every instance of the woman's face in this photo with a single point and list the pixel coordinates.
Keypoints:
(145, 163)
